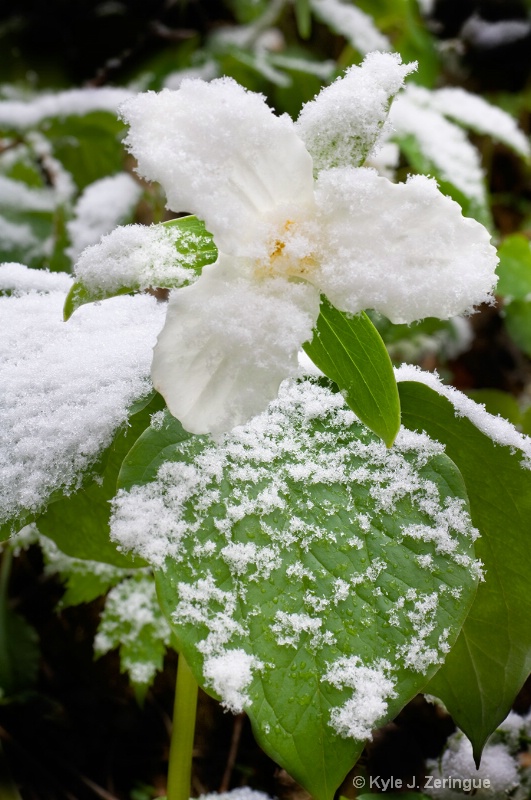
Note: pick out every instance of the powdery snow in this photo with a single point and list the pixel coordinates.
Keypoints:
(21, 114)
(138, 256)
(16, 195)
(341, 127)
(102, 206)
(372, 687)
(476, 113)
(18, 279)
(230, 674)
(443, 143)
(65, 388)
(497, 767)
(131, 618)
(273, 465)
(500, 430)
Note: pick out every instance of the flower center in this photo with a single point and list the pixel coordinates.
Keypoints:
(290, 254)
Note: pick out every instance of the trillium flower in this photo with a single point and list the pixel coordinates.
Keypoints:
(284, 237)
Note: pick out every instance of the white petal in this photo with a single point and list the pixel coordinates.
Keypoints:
(227, 344)
(341, 126)
(220, 153)
(403, 249)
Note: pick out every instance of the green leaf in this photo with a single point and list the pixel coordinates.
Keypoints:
(79, 523)
(199, 243)
(288, 553)
(514, 268)
(350, 351)
(492, 657)
(79, 295)
(304, 18)
(410, 343)
(518, 322)
(132, 622)
(194, 249)
(88, 146)
(85, 580)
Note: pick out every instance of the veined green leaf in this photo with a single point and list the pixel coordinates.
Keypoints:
(492, 657)
(299, 564)
(350, 351)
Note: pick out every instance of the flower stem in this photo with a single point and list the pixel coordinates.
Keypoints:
(182, 738)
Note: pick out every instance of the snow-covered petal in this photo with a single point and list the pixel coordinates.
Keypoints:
(219, 152)
(403, 249)
(228, 342)
(341, 126)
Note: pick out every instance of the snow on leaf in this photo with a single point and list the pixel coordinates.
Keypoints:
(132, 621)
(66, 388)
(284, 547)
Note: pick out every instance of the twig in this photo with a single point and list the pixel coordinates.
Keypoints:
(233, 752)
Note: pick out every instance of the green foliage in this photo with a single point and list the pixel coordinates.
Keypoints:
(518, 321)
(339, 577)
(492, 657)
(89, 146)
(401, 20)
(84, 580)
(304, 18)
(350, 351)
(514, 285)
(289, 701)
(514, 269)
(132, 622)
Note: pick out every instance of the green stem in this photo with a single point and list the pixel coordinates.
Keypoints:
(182, 737)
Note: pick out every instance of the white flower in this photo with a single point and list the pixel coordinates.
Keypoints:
(283, 238)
